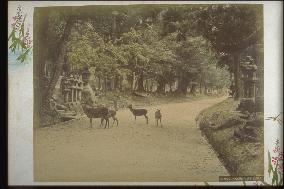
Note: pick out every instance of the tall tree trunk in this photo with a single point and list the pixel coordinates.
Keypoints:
(237, 73)
(100, 84)
(151, 86)
(161, 86)
(140, 83)
(39, 51)
(182, 85)
(112, 84)
(146, 85)
(105, 85)
(120, 82)
(193, 90)
(133, 81)
(116, 82)
(60, 57)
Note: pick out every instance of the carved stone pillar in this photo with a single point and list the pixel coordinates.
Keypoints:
(72, 95)
(79, 95)
(67, 97)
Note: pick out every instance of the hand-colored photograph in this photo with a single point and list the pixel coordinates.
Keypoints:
(139, 93)
(147, 93)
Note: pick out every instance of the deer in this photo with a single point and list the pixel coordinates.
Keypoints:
(96, 112)
(139, 112)
(158, 116)
(111, 114)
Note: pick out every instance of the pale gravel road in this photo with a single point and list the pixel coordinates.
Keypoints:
(131, 152)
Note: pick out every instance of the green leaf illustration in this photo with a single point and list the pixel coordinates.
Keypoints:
(270, 168)
(17, 38)
(13, 47)
(23, 56)
(22, 44)
(280, 181)
(19, 43)
(275, 176)
(12, 35)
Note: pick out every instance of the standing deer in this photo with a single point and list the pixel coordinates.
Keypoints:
(111, 114)
(96, 112)
(158, 116)
(139, 112)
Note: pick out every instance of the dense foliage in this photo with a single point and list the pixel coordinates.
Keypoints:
(187, 44)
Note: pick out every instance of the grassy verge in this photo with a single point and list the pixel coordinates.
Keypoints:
(220, 124)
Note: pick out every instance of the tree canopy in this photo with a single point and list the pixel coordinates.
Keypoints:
(190, 44)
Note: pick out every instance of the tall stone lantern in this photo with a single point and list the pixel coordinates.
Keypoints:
(87, 92)
(249, 78)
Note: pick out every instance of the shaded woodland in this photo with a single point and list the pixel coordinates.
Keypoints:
(188, 48)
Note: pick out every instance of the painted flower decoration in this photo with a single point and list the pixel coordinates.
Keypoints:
(19, 38)
(275, 164)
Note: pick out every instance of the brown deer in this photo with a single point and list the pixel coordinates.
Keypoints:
(158, 116)
(96, 112)
(111, 114)
(138, 112)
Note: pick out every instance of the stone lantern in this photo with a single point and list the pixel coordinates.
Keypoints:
(248, 68)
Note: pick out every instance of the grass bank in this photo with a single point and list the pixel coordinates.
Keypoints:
(237, 138)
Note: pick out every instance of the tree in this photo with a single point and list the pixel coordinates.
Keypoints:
(230, 28)
(159, 43)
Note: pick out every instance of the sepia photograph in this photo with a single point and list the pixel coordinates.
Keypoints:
(148, 93)
(145, 93)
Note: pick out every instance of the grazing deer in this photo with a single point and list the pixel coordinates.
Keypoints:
(138, 112)
(158, 116)
(96, 112)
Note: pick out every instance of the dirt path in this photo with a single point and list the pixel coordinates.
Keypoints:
(133, 151)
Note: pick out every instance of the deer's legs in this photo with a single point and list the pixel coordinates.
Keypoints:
(157, 122)
(161, 122)
(113, 118)
(91, 122)
(102, 121)
(107, 122)
(146, 118)
(135, 118)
